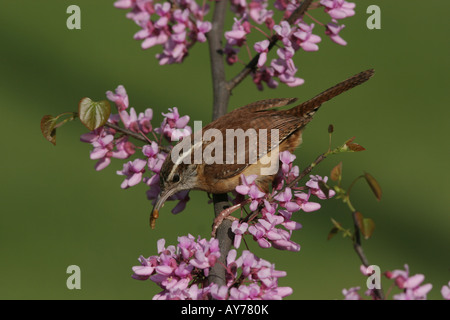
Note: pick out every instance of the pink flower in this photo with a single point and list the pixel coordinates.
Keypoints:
(258, 11)
(239, 6)
(173, 126)
(285, 70)
(231, 54)
(150, 150)
(102, 143)
(262, 48)
(144, 119)
(249, 188)
(155, 163)
(238, 229)
(264, 75)
(203, 27)
(302, 200)
(332, 30)
(284, 32)
(237, 35)
(124, 148)
(124, 4)
(304, 38)
(285, 198)
(219, 293)
(133, 171)
(338, 9)
(145, 270)
(120, 97)
(445, 291)
(352, 293)
(102, 146)
(130, 121)
(286, 159)
(183, 197)
(412, 290)
(313, 185)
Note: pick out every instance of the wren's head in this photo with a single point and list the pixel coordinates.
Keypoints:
(175, 177)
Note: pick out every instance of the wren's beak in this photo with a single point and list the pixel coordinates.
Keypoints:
(162, 197)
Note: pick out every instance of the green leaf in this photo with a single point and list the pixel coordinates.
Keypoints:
(49, 124)
(369, 227)
(365, 225)
(355, 147)
(336, 172)
(48, 129)
(352, 146)
(93, 114)
(374, 185)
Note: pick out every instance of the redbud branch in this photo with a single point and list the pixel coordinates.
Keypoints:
(130, 133)
(297, 14)
(357, 246)
(135, 135)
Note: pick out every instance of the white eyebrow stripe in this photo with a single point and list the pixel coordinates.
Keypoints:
(181, 159)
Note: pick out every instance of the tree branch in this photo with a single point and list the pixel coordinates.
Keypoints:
(297, 14)
(220, 92)
(135, 135)
(130, 133)
(221, 96)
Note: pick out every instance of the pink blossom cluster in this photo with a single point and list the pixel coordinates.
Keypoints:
(108, 143)
(182, 273)
(175, 25)
(412, 287)
(274, 225)
(178, 25)
(293, 37)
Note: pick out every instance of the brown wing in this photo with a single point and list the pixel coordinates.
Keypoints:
(266, 104)
(269, 120)
(256, 115)
(252, 107)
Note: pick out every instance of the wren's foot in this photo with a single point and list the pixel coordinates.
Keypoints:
(226, 214)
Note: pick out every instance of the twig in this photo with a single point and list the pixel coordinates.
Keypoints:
(297, 14)
(126, 131)
(135, 135)
(358, 246)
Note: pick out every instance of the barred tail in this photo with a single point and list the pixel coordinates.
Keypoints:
(308, 108)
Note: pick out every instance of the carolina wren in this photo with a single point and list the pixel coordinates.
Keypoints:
(223, 176)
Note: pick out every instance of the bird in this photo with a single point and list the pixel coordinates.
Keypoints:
(280, 130)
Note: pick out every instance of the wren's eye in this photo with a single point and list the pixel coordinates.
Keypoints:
(176, 178)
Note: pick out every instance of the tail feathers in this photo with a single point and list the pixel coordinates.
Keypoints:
(308, 108)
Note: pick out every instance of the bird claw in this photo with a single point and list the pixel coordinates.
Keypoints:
(226, 214)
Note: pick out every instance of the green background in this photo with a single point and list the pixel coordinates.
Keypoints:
(56, 210)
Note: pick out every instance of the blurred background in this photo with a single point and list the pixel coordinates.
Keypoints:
(56, 210)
